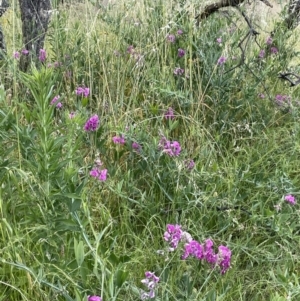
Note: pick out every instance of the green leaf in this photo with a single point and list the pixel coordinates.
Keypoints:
(120, 277)
(84, 101)
(79, 252)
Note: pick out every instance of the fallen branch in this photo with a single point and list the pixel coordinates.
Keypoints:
(212, 8)
(286, 76)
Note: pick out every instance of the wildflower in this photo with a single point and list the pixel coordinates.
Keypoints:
(189, 164)
(181, 52)
(219, 40)
(94, 298)
(277, 207)
(130, 49)
(290, 199)
(57, 64)
(169, 114)
(193, 248)
(59, 105)
(261, 54)
(42, 56)
(186, 237)
(101, 175)
(118, 139)
(72, 115)
(173, 236)
(83, 91)
(261, 95)
(269, 41)
(16, 55)
(274, 50)
(224, 258)
(137, 147)
(173, 149)
(171, 38)
(209, 254)
(281, 100)
(92, 124)
(179, 32)
(24, 51)
(54, 100)
(178, 71)
(222, 60)
(150, 282)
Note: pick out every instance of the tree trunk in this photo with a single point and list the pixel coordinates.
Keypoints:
(35, 16)
(293, 18)
(3, 7)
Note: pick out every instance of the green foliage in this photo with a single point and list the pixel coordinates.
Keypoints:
(66, 235)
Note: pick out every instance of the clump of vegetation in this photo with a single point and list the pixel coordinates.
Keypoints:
(145, 156)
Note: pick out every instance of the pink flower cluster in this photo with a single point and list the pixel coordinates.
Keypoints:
(119, 139)
(150, 282)
(101, 175)
(169, 114)
(82, 91)
(92, 124)
(42, 55)
(172, 148)
(55, 101)
(290, 199)
(173, 236)
(193, 248)
(94, 298)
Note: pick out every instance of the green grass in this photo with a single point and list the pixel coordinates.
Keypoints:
(65, 235)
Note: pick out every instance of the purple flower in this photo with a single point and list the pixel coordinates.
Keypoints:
(150, 282)
(178, 71)
(101, 175)
(290, 199)
(219, 40)
(173, 235)
(171, 38)
(193, 248)
(83, 91)
(42, 56)
(274, 50)
(224, 257)
(94, 298)
(181, 52)
(137, 147)
(179, 32)
(118, 139)
(281, 100)
(262, 54)
(57, 64)
(130, 49)
(72, 115)
(24, 51)
(222, 60)
(92, 124)
(16, 55)
(55, 99)
(269, 41)
(189, 164)
(173, 149)
(261, 95)
(209, 254)
(59, 105)
(169, 114)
